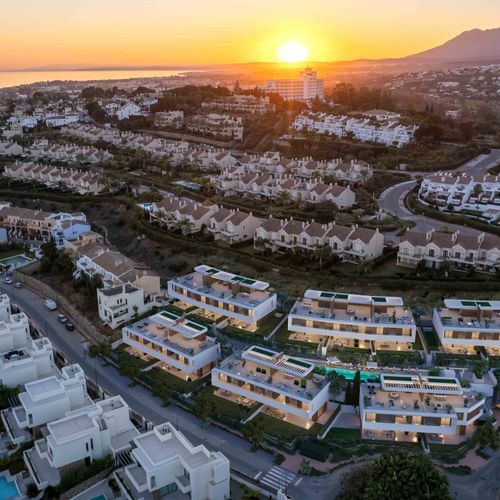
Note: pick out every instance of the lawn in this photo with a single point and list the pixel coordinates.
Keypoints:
(158, 376)
(200, 319)
(432, 340)
(283, 430)
(225, 407)
(262, 331)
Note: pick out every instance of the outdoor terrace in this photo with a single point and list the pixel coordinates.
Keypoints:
(169, 330)
(470, 317)
(350, 308)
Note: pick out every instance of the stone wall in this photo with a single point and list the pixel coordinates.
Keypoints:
(80, 321)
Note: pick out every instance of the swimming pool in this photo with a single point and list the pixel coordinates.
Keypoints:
(8, 489)
(100, 497)
(15, 261)
(349, 374)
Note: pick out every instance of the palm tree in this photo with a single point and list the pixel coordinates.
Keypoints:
(365, 267)
(476, 191)
(322, 252)
(336, 383)
(260, 244)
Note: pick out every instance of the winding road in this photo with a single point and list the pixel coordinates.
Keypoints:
(392, 199)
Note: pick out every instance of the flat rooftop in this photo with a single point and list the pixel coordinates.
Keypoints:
(353, 308)
(72, 426)
(223, 290)
(466, 304)
(231, 278)
(420, 383)
(487, 319)
(171, 330)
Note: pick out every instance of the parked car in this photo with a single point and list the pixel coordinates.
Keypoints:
(62, 319)
(8, 281)
(18, 285)
(69, 326)
(50, 304)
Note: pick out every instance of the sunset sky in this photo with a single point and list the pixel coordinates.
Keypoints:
(37, 33)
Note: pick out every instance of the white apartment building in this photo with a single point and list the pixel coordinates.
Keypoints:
(22, 359)
(479, 193)
(80, 181)
(182, 345)
(286, 385)
(169, 119)
(465, 325)
(388, 132)
(166, 463)
(307, 86)
(346, 319)
(246, 302)
(402, 406)
(45, 400)
(61, 120)
(233, 226)
(120, 303)
(240, 104)
(463, 252)
(217, 125)
(79, 438)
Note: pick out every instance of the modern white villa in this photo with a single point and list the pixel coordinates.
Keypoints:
(45, 400)
(181, 345)
(22, 359)
(245, 301)
(284, 384)
(466, 325)
(166, 465)
(401, 406)
(350, 320)
(80, 438)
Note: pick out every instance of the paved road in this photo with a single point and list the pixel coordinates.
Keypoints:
(483, 484)
(74, 347)
(392, 199)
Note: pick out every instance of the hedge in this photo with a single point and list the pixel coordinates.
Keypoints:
(314, 450)
(73, 478)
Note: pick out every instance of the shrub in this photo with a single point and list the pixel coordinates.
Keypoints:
(72, 478)
(314, 450)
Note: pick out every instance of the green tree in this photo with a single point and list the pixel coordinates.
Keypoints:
(322, 252)
(204, 407)
(356, 386)
(254, 432)
(487, 436)
(260, 244)
(336, 383)
(396, 475)
(476, 191)
(365, 267)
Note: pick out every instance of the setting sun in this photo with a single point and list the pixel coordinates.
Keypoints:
(292, 52)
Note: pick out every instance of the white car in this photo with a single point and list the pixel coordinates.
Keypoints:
(50, 304)
(8, 281)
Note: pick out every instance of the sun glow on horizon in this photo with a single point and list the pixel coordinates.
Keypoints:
(292, 52)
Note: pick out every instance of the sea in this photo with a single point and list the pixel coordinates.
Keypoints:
(13, 78)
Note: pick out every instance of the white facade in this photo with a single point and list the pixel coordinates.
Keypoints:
(353, 320)
(402, 406)
(243, 299)
(121, 303)
(182, 345)
(307, 86)
(276, 380)
(78, 439)
(166, 462)
(468, 324)
(45, 400)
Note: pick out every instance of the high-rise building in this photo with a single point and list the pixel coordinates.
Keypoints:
(306, 86)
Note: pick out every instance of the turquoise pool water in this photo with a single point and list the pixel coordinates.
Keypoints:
(8, 489)
(100, 497)
(15, 261)
(349, 374)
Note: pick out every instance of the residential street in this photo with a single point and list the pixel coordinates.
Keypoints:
(237, 450)
(392, 199)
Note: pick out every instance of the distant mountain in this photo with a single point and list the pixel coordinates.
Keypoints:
(470, 46)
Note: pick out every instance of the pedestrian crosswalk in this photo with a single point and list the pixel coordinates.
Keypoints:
(278, 478)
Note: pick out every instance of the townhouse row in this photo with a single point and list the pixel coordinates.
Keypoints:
(79, 181)
(461, 191)
(240, 104)
(216, 125)
(206, 157)
(367, 129)
(61, 227)
(286, 187)
(352, 244)
(462, 252)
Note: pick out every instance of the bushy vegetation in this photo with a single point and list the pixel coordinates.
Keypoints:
(73, 478)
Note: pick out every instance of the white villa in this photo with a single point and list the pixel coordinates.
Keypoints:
(284, 384)
(180, 344)
(78, 439)
(345, 319)
(402, 406)
(45, 400)
(166, 464)
(245, 301)
(464, 325)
